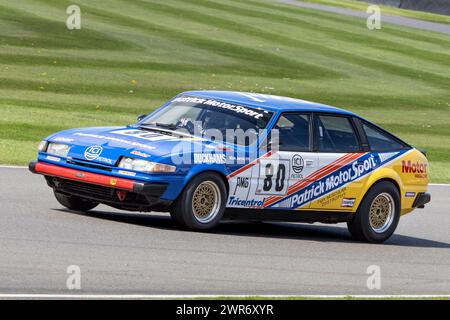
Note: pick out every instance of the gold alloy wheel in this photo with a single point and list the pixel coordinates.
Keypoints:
(206, 201)
(381, 214)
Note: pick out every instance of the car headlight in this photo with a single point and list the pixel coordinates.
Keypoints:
(144, 165)
(42, 146)
(58, 149)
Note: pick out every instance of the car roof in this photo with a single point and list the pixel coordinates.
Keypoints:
(266, 101)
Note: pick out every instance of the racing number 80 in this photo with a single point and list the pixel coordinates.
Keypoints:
(279, 181)
(273, 176)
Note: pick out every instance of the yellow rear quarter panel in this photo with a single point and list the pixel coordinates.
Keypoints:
(409, 172)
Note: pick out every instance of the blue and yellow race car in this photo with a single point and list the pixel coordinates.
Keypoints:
(212, 155)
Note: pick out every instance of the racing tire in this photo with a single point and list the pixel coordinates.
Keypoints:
(378, 214)
(201, 205)
(75, 203)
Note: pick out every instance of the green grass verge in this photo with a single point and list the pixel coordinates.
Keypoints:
(131, 56)
(362, 6)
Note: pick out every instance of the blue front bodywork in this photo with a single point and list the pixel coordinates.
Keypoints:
(115, 146)
(118, 142)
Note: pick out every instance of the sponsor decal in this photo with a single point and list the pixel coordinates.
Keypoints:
(313, 191)
(52, 158)
(113, 181)
(146, 135)
(209, 158)
(348, 202)
(410, 194)
(62, 139)
(332, 198)
(417, 168)
(224, 105)
(297, 163)
(243, 182)
(236, 201)
(93, 153)
(190, 100)
(284, 204)
(317, 175)
(127, 173)
(338, 178)
(80, 175)
(118, 140)
(140, 154)
(238, 159)
(297, 166)
(386, 156)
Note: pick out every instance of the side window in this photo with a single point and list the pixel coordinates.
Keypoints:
(380, 141)
(293, 130)
(336, 134)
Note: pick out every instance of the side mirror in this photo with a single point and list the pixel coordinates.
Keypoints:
(141, 117)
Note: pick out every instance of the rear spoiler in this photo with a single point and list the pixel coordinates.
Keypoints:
(424, 152)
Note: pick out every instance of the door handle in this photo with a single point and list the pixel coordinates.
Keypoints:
(309, 163)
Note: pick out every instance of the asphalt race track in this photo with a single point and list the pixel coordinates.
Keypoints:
(399, 20)
(121, 253)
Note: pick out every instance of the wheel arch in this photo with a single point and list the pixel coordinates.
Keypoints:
(360, 227)
(192, 175)
(392, 178)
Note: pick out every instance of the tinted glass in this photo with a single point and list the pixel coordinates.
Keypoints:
(336, 134)
(200, 115)
(380, 141)
(293, 130)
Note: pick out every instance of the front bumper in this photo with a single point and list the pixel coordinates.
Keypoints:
(118, 192)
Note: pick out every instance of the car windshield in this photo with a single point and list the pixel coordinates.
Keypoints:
(209, 117)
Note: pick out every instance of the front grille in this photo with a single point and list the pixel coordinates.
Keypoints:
(98, 193)
(84, 188)
(87, 164)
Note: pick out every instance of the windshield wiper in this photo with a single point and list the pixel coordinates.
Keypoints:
(170, 126)
(160, 127)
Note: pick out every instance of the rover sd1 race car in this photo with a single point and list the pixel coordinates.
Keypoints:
(212, 155)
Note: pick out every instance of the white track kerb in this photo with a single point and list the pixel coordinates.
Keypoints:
(12, 167)
(143, 296)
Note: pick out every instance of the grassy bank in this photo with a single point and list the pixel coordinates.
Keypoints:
(130, 56)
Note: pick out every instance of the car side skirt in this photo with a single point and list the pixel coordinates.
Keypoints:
(287, 215)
